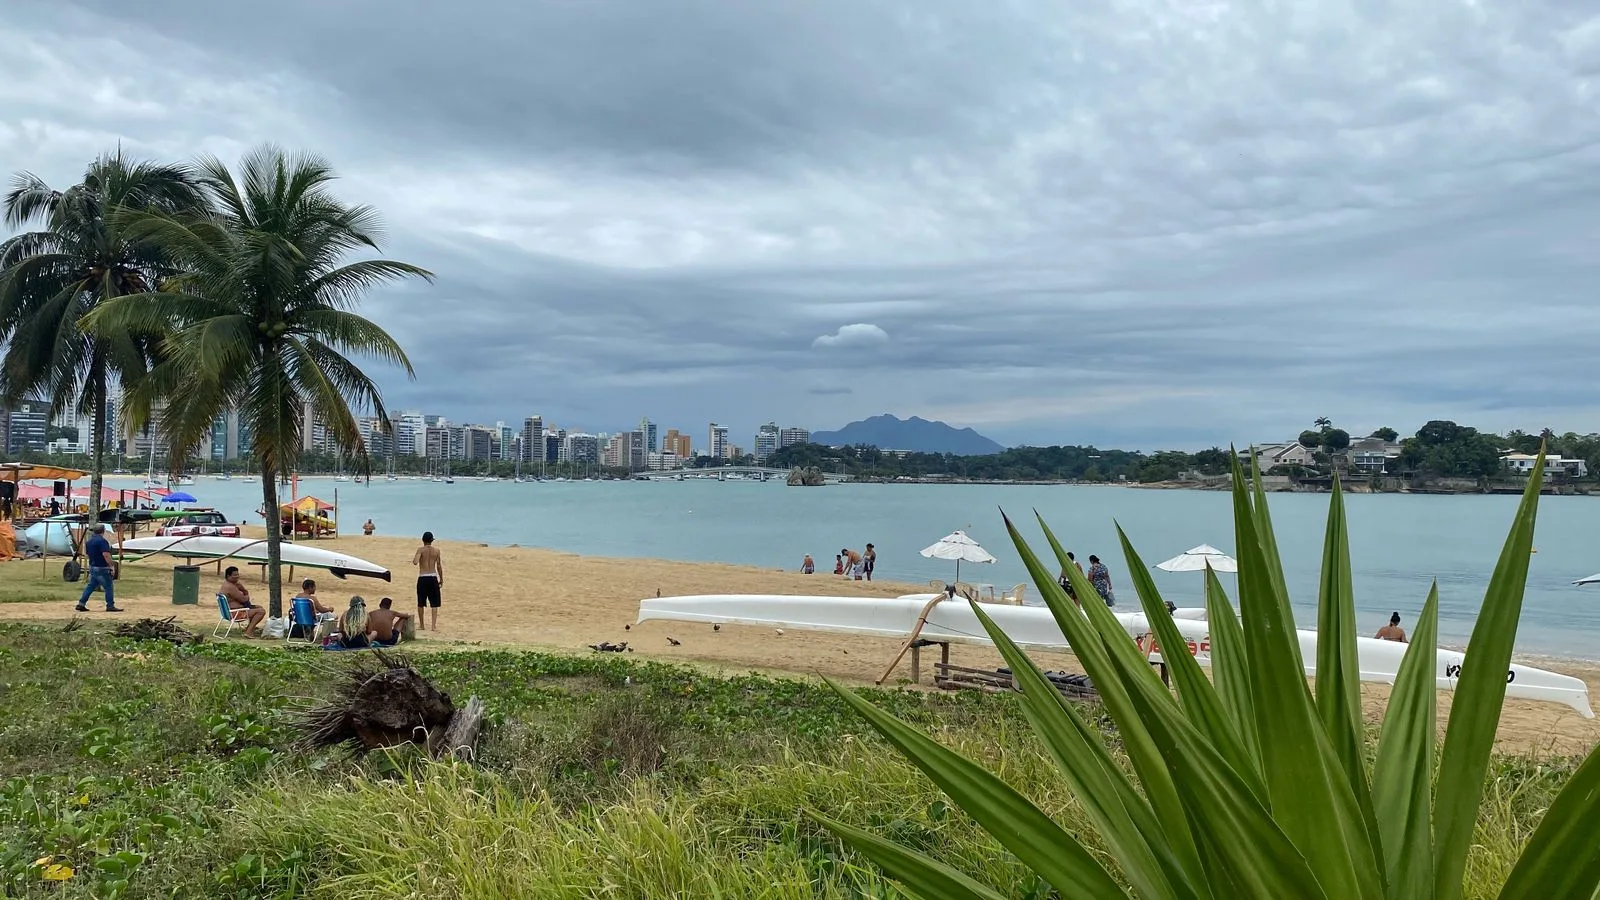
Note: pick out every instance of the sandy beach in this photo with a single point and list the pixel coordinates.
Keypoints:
(543, 599)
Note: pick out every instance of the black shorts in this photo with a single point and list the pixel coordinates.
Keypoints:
(428, 591)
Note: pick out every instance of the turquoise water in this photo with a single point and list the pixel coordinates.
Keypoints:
(1399, 543)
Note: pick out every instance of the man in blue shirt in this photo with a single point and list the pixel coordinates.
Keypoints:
(98, 549)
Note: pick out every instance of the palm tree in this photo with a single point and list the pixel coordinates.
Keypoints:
(262, 319)
(1323, 423)
(84, 256)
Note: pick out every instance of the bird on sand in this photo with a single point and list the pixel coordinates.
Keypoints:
(674, 641)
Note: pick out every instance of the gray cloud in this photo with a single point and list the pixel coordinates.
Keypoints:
(1170, 223)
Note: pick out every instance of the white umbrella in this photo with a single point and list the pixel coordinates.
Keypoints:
(1592, 579)
(1195, 560)
(959, 547)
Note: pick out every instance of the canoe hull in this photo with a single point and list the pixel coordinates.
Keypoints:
(254, 550)
(1035, 628)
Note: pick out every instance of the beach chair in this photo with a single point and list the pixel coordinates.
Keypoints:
(1015, 596)
(302, 615)
(937, 584)
(225, 627)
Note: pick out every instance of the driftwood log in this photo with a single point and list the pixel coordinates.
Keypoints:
(382, 701)
(166, 629)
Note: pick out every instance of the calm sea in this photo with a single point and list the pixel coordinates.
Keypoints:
(1399, 543)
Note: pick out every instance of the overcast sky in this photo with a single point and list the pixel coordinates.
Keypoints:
(1139, 223)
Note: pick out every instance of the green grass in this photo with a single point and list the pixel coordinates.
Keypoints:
(155, 771)
(36, 581)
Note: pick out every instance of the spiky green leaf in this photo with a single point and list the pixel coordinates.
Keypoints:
(1122, 817)
(1480, 695)
(1402, 778)
(1560, 859)
(1310, 795)
(921, 874)
(1230, 666)
(1011, 818)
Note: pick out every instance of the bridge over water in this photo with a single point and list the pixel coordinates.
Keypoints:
(725, 473)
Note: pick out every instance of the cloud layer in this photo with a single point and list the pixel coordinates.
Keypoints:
(1164, 223)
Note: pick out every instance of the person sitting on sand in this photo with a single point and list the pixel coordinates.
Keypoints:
(384, 624)
(1392, 631)
(838, 564)
(353, 624)
(240, 609)
(367, 528)
(808, 566)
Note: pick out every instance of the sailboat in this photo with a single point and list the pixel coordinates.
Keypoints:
(150, 483)
(338, 470)
(447, 478)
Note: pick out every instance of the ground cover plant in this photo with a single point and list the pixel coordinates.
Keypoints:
(144, 769)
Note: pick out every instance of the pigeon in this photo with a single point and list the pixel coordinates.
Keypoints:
(674, 641)
(627, 628)
(717, 626)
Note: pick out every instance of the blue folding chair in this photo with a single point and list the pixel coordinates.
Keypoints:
(302, 617)
(225, 627)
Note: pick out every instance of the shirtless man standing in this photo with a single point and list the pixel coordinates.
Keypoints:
(430, 579)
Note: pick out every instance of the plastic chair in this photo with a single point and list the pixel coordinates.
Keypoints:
(302, 615)
(224, 628)
(1015, 597)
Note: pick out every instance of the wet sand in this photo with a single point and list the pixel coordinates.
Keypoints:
(543, 599)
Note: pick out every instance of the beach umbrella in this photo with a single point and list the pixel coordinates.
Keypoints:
(179, 497)
(1195, 560)
(959, 547)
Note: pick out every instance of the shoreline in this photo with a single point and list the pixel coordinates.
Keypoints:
(537, 599)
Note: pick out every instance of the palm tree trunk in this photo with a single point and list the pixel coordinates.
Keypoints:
(269, 497)
(97, 474)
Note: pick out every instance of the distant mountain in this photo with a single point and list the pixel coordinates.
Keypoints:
(887, 432)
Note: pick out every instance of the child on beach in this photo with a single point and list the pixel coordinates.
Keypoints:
(838, 564)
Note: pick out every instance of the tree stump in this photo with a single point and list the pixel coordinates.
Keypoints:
(382, 702)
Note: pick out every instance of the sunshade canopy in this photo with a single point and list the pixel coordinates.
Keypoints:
(18, 470)
(1197, 558)
(958, 546)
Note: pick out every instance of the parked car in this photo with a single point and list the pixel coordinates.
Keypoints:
(190, 524)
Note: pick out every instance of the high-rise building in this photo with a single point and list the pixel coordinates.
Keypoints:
(766, 441)
(411, 434)
(580, 448)
(626, 450)
(788, 437)
(718, 445)
(648, 428)
(477, 443)
(26, 426)
(533, 442)
(436, 442)
(677, 444)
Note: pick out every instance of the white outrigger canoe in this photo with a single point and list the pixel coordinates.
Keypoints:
(204, 546)
(1035, 628)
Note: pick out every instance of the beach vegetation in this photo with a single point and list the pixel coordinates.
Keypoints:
(262, 317)
(1248, 784)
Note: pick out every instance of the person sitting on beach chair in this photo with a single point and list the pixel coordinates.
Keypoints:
(239, 605)
(308, 591)
(384, 624)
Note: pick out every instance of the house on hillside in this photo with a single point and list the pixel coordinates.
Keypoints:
(1269, 455)
(1372, 456)
(1522, 464)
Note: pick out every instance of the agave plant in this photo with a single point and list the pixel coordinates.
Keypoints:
(1246, 786)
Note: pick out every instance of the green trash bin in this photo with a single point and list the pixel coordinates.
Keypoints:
(186, 585)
